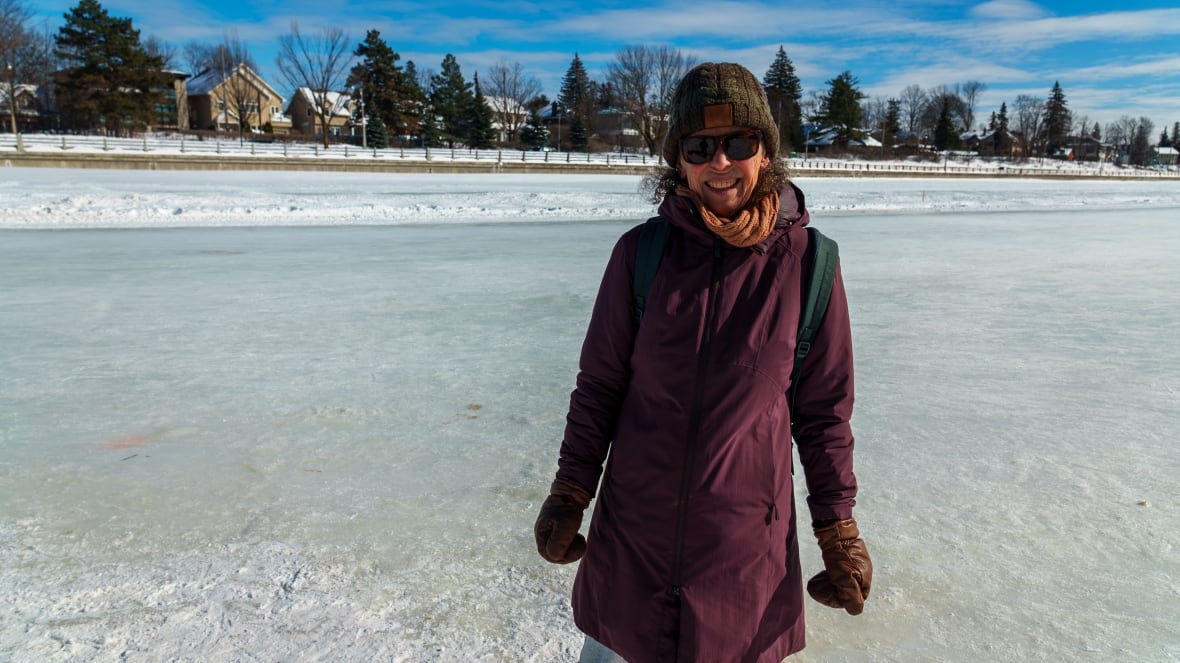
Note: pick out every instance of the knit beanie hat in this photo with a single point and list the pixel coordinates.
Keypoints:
(718, 94)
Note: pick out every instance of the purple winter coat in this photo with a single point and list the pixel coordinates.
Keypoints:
(692, 552)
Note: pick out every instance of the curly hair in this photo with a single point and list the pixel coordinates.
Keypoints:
(662, 181)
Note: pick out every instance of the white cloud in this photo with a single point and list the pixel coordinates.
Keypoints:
(1007, 10)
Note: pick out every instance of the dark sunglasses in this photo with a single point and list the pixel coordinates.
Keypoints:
(738, 146)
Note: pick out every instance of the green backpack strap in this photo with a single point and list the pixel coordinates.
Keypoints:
(652, 238)
(825, 255)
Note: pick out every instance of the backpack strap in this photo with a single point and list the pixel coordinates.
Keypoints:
(825, 255)
(652, 238)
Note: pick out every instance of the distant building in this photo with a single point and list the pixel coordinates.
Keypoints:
(241, 99)
(172, 112)
(28, 107)
(1165, 156)
(305, 119)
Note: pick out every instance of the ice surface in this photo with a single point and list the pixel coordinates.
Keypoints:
(329, 443)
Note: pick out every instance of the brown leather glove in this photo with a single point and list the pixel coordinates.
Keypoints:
(557, 525)
(849, 572)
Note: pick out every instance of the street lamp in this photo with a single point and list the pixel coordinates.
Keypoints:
(20, 146)
(364, 120)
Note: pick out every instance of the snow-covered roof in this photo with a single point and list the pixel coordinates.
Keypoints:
(339, 101)
(206, 81)
(1166, 151)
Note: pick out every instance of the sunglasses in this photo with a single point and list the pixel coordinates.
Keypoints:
(738, 146)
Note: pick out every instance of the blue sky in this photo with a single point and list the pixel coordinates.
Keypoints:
(1110, 62)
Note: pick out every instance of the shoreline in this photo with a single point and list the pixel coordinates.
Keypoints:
(132, 154)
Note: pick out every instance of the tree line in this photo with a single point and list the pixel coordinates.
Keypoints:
(110, 79)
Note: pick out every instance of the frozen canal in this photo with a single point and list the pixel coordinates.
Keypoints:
(329, 443)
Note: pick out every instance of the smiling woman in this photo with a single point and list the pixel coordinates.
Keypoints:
(692, 552)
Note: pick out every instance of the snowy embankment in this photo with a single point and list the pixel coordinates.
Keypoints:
(68, 198)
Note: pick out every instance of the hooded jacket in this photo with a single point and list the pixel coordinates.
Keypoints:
(692, 553)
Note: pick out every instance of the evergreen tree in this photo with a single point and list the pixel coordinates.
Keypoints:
(1000, 142)
(450, 100)
(1057, 120)
(840, 107)
(1176, 135)
(1097, 133)
(785, 94)
(375, 134)
(482, 136)
(892, 125)
(577, 100)
(1140, 143)
(579, 137)
(535, 134)
(1164, 140)
(946, 137)
(414, 102)
(109, 79)
(383, 84)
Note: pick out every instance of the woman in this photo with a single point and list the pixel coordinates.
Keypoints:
(692, 553)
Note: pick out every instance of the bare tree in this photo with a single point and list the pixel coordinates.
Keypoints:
(913, 101)
(872, 113)
(508, 91)
(318, 64)
(969, 92)
(1030, 119)
(161, 49)
(199, 57)
(645, 79)
(24, 55)
(241, 93)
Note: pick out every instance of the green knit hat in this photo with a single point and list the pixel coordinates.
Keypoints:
(718, 94)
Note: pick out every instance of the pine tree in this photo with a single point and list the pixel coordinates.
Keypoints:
(1097, 133)
(1000, 142)
(481, 136)
(577, 100)
(840, 107)
(892, 125)
(579, 135)
(450, 100)
(383, 84)
(375, 133)
(414, 103)
(785, 94)
(946, 137)
(534, 134)
(110, 80)
(1176, 135)
(1164, 140)
(1057, 120)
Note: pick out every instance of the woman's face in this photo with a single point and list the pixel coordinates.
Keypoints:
(723, 183)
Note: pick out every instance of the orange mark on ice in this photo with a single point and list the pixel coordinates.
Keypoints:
(126, 442)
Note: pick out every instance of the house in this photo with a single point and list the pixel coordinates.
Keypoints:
(827, 139)
(305, 119)
(237, 100)
(172, 112)
(1087, 148)
(508, 116)
(994, 143)
(1165, 156)
(28, 107)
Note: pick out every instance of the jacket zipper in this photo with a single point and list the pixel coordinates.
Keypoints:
(694, 430)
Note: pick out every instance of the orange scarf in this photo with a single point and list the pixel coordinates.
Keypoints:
(751, 225)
